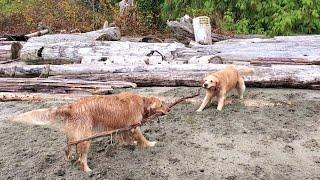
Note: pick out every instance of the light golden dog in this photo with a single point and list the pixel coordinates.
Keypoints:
(94, 114)
(218, 84)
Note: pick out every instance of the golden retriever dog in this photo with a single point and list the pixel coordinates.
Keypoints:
(94, 114)
(218, 84)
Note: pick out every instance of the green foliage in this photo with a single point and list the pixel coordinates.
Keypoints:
(22, 16)
(149, 12)
(275, 17)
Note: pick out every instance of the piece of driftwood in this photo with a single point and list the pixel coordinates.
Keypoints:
(36, 47)
(304, 76)
(38, 33)
(105, 52)
(23, 96)
(59, 85)
(9, 50)
(282, 49)
(22, 37)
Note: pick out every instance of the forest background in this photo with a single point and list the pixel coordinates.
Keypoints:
(269, 17)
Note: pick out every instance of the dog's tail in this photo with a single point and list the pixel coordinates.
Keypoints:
(246, 71)
(52, 117)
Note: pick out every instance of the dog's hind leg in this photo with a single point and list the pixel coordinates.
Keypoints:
(68, 149)
(83, 149)
(142, 141)
(241, 87)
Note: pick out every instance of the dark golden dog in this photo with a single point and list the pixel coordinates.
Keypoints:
(218, 84)
(90, 115)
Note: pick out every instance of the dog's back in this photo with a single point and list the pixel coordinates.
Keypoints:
(106, 112)
(228, 77)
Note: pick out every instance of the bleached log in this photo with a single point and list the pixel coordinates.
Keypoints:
(38, 33)
(23, 96)
(9, 50)
(300, 76)
(290, 49)
(108, 52)
(88, 36)
(32, 51)
(58, 85)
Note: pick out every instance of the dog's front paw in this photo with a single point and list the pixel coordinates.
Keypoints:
(87, 170)
(199, 110)
(151, 143)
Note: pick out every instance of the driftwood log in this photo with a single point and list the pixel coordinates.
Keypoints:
(23, 96)
(25, 37)
(299, 76)
(278, 50)
(9, 50)
(35, 49)
(105, 52)
(290, 49)
(57, 85)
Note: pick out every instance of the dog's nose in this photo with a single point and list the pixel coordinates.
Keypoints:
(205, 85)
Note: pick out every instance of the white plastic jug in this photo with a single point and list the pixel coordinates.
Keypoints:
(202, 30)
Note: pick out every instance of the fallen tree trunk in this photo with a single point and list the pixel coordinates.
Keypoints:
(22, 96)
(38, 33)
(282, 49)
(57, 85)
(302, 76)
(193, 79)
(9, 50)
(106, 52)
(33, 49)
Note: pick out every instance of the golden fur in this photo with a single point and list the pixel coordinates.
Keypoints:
(218, 84)
(90, 115)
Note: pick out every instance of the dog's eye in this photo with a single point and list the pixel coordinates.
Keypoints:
(211, 81)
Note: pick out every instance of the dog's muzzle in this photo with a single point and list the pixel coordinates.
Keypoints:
(205, 86)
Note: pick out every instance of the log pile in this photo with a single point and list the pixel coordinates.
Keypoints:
(299, 50)
(73, 63)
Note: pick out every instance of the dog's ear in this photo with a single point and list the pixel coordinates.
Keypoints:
(149, 103)
(217, 85)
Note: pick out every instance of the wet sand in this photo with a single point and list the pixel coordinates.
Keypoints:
(271, 134)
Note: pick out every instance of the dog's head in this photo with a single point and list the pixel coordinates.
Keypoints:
(211, 82)
(154, 105)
